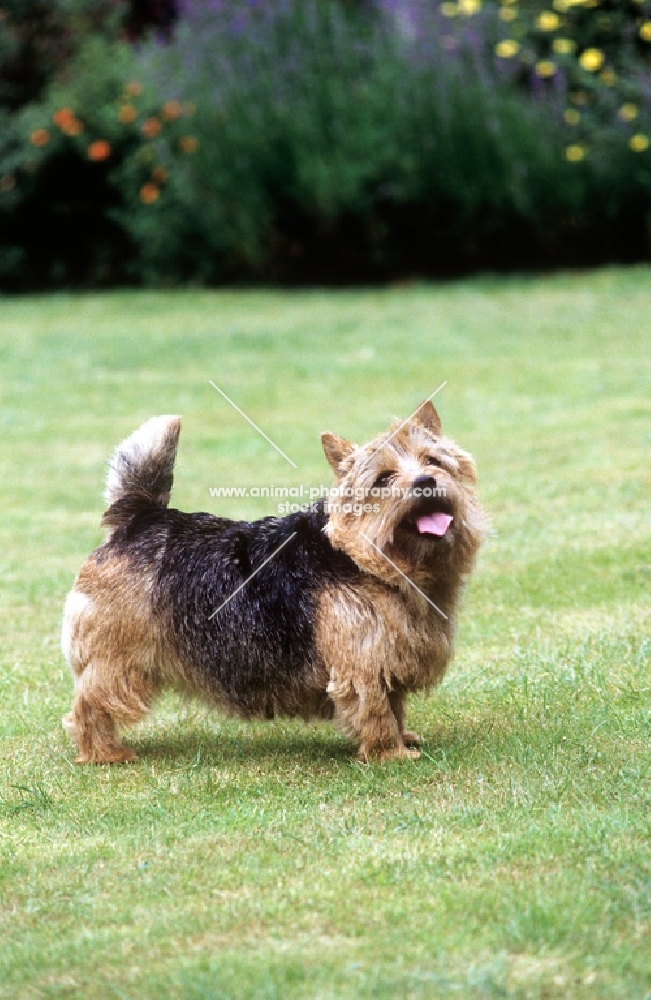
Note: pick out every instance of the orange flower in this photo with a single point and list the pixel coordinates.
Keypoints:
(66, 120)
(133, 88)
(149, 193)
(159, 174)
(40, 137)
(189, 144)
(150, 128)
(63, 117)
(127, 114)
(172, 110)
(99, 150)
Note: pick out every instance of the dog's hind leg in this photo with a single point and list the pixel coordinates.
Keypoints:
(106, 697)
(111, 686)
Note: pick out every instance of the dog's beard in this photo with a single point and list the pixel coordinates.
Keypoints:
(416, 538)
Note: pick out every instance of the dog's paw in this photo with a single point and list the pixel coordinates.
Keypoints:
(389, 753)
(69, 725)
(121, 755)
(410, 737)
(399, 753)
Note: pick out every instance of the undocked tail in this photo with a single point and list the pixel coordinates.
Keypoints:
(141, 471)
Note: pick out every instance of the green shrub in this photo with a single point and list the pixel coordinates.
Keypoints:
(331, 146)
(39, 37)
(313, 141)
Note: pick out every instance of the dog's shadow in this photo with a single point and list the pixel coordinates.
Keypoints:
(221, 746)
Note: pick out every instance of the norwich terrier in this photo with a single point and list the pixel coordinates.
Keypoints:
(337, 611)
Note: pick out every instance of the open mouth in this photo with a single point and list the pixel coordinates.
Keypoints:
(434, 524)
(429, 522)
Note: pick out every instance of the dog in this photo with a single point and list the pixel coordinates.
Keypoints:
(337, 611)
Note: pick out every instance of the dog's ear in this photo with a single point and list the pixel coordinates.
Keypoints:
(427, 417)
(336, 450)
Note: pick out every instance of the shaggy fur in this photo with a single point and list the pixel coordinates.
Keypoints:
(330, 626)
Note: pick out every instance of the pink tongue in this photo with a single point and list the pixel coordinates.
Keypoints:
(434, 524)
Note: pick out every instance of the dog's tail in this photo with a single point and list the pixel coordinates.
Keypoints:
(141, 471)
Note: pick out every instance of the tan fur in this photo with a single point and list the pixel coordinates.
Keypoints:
(405, 451)
(385, 639)
(380, 644)
(387, 634)
(114, 657)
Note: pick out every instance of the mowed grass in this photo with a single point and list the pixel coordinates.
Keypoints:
(261, 861)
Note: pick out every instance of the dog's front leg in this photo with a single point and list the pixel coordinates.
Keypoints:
(364, 710)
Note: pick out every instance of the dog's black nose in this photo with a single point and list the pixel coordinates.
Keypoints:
(424, 483)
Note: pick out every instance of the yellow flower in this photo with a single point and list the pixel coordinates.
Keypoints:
(449, 9)
(572, 116)
(574, 153)
(645, 31)
(592, 59)
(548, 21)
(627, 113)
(563, 46)
(638, 143)
(508, 14)
(545, 67)
(469, 7)
(579, 97)
(507, 49)
(608, 76)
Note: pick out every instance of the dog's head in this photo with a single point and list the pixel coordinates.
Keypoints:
(405, 502)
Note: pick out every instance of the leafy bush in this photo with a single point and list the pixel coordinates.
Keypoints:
(321, 140)
(39, 37)
(75, 165)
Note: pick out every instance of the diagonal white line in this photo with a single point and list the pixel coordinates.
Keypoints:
(236, 592)
(403, 575)
(242, 413)
(393, 433)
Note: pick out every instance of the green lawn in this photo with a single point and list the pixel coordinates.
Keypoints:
(261, 861)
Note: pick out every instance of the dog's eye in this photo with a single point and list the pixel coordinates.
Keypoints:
(430, 460)
(382, 480)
